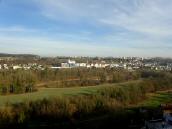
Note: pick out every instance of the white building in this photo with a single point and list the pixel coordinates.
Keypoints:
(27, 67)
(98, 65)
(6, 66)
(64, 65)
(17, 67)
(53, 67)
(114, 65)
(88, 66)
(82, 64)
(105, 65)
(71, 61)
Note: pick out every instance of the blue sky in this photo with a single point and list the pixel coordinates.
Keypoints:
(86, 27)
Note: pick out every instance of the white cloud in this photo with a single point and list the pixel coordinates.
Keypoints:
(151, 17)
(131, 27)
(44, 47)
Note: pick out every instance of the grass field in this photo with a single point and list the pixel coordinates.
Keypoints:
(49, 93)
(45, 93)
(152, 100)
(55, 92)
(158, 98)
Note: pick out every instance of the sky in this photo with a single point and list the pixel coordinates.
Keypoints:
(86, 27)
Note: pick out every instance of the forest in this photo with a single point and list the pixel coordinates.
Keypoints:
(21, 81)
(109, 104)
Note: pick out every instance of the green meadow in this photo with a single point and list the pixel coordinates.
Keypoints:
(152, 100)
(56, 92)
(156, 99)
(48, 93)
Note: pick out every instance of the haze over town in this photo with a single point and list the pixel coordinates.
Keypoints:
(86, 28)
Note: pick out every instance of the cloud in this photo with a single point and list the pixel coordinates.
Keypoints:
(94, 27)
(47, 47)
(44, 46)
(73, 10)
(150, 17)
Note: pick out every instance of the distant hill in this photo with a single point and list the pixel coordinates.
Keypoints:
(19, 55)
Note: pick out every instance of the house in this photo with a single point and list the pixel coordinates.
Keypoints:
(17, 67)
(88, 65)
(54, 67)
(64, 65)
(6, 66)
(98, 65)
(27, 67)
(82, 64)
(114, 65)
(71, 63)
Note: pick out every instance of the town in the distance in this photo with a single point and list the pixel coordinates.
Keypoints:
(43, 92)
(34, 62)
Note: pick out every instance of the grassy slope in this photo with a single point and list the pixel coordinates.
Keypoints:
(156, 99)
(152, 100)
(56, 92)
(43, 93)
